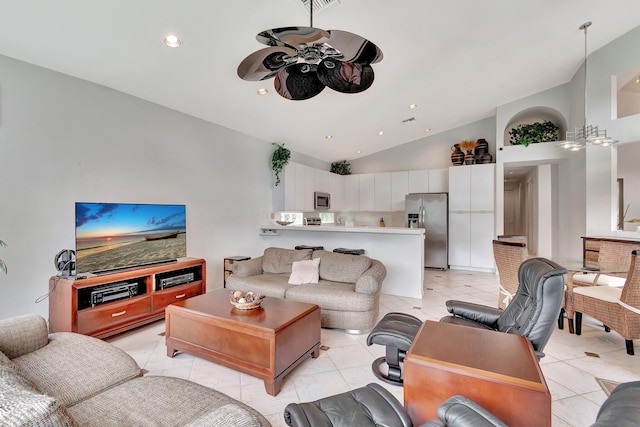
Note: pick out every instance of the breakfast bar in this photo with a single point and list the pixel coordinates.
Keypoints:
(400, 249)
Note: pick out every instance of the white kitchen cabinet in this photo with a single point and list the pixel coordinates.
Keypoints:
(309, 188)
(471, 216)
(438, 180)
(460, 188)
(367, 192)
(351, 200)
(482, 196)
(382, 192)
(399, 189)
(419, 181)
(337, 192)
(459, 239)
(481, 238)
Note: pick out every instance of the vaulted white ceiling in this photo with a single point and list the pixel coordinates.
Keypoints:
(456, 59)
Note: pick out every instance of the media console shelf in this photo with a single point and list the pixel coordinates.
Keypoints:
(108, 304)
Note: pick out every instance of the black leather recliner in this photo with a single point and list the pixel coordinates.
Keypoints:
(533, 311)
(373, 406)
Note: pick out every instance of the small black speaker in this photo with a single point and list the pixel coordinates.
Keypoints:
(65, 262)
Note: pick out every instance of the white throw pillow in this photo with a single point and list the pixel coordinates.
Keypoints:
(305, 272)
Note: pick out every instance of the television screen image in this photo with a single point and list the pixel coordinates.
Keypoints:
(112, 236)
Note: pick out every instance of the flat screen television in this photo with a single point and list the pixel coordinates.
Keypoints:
(114, 236)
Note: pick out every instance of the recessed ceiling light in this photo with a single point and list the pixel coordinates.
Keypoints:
(328, 137)
(412, 106)
(262, 91)
(359, 151)
(172, 41)
(381, 132)
(427, 130)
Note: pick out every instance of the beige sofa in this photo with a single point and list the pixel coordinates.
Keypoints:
(68, 379)
(347, 291)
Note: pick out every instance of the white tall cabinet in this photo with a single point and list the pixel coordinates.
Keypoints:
(471, 216)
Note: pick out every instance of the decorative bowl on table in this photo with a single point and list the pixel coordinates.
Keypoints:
(245, 300)
(284, 222)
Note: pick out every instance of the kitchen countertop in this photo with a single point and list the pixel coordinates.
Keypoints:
(343, 229)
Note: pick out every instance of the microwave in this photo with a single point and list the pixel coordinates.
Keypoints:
(321, 200)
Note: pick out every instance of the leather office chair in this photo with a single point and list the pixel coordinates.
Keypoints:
(372, 406)
(533, 311)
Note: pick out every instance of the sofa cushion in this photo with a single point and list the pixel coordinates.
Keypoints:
(341, 267)
(280, 260)
(305, 272)
(74, 367)
(332, 296)
(269, 285)
(174, 402)
(22, 334)
(21, 404)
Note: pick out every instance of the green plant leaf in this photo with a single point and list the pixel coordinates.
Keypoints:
(279, 160)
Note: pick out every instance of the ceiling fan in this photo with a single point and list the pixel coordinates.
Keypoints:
(305, 60)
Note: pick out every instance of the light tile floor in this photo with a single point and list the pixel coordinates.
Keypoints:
(570, 373)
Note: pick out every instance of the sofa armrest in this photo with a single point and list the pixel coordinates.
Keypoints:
(23, 334)
(371, 280)
(476, 312)
(249, 267)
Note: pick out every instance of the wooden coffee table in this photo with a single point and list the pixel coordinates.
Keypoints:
(266, 342)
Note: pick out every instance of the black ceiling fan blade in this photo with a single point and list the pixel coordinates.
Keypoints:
(354, 48)
(292, 37)
(345, 77)
(265, 63)
(298, 82)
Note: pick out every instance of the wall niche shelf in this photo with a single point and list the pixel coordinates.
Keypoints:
(533, 115)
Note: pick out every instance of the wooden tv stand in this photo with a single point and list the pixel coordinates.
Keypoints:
(130, 298)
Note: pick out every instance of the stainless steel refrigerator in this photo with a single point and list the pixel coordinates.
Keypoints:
(431, 212)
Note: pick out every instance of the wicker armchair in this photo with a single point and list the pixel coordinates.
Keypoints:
(508, 256)
(617, 308)
(613, 256)
(513, 238)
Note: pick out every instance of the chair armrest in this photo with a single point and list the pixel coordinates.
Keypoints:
(476, 312)
(458, 411)
(371, 280)
(249, 267)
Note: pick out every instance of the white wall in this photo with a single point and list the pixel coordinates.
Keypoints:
(64, 140)
(432, 152)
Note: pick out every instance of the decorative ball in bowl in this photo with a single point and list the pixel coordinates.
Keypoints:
(284, 222)
(245, 300)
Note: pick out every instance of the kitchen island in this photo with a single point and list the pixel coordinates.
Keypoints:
(400, 249)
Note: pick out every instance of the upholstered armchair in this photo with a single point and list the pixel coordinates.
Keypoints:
(533, 311)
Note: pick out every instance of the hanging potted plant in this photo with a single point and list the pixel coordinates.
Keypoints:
(279, 160)
(341, 167)
(526, 134)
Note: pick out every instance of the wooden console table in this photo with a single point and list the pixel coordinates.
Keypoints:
(498, 371)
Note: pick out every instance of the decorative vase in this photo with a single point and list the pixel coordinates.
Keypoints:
(483, 147)
(469, 158)
(457, 157)
(486, 158)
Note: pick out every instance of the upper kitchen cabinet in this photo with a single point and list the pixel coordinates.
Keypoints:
(472, 188)
(367, 192)
(351, 201)
(419, 181)
(399, 189)
(382, 192)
